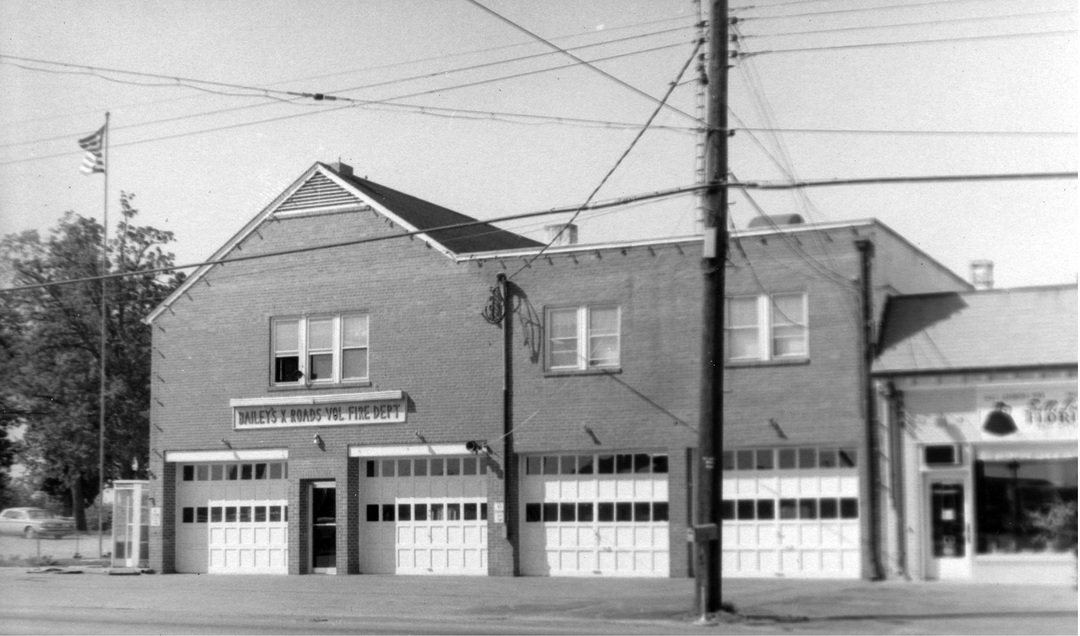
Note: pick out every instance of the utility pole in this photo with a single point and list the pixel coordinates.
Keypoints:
(714, 259)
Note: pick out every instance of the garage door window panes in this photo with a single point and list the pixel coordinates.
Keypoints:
(791, 512)
(588, 514)
(257, 471)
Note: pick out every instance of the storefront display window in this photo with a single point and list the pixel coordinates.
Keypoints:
(1026, 506)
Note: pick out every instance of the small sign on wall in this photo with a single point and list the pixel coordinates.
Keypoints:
(155, 516)
(498, 517)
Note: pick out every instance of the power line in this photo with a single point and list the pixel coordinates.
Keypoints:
(815, 14)
(908, 43)
(855, 131)
(350, 103)
(574, 57)
(816, 183)
(440, 57)
(905, 24)
(314, 248)
(618, 162)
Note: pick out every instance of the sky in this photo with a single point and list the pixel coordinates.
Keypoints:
(827, 89)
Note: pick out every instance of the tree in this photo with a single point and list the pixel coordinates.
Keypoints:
(50, 340)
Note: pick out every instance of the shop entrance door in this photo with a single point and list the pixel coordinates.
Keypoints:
(950, 529)
(323, 527)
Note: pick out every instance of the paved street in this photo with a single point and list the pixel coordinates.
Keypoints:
(38, 603)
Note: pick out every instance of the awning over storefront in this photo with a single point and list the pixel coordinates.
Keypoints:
(1026, 450)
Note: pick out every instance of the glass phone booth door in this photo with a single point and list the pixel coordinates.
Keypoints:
(950, 529)
(131, 524)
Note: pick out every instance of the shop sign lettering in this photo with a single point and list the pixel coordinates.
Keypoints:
(382, 412)
(1038, 414)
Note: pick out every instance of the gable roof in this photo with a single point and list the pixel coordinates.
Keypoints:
(951, 331)
(326, 189)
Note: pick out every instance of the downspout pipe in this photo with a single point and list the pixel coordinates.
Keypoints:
(873, 468)
(509, 459)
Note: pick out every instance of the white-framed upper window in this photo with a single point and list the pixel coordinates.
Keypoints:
(582, 338)
(766, 327)
(319, 349)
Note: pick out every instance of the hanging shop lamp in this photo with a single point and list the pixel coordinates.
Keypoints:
(999, 422)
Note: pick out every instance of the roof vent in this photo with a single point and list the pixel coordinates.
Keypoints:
(561, 234)
(982, 275)
(774, 220)
(342, 169)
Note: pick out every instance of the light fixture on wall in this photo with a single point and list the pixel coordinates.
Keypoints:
(475, 447)
(226, 442)
(317, 440)
(999, 422)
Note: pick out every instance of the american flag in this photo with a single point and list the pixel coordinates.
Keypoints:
(95, 158)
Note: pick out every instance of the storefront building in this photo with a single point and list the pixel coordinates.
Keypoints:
(435, 395)
(979, 395)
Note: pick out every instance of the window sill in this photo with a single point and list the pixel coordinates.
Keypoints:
(735, 364)
(561, 373)
(320, 387)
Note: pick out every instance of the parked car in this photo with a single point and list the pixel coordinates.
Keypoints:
(34, 522)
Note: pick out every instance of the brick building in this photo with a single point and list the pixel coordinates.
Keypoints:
(460, 401)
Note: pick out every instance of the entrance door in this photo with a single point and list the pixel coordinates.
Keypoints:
(324, 527)
(950, 530)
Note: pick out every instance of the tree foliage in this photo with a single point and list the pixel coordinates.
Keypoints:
(50, 342)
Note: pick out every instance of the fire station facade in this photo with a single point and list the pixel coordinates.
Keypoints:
(435, 395)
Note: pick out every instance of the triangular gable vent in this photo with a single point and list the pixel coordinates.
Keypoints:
(319, 193)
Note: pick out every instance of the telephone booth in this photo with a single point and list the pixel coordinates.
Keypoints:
(131, 523)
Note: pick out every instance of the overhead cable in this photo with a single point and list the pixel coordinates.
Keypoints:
(818, 183)
(1007, 16)
(908, 42)
(579, 60)
(814, 14)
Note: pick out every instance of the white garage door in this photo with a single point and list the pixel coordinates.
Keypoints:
(232, 518)
(423, 515)
(791, 512)
(604, 514)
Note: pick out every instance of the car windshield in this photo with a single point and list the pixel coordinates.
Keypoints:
(38, 514)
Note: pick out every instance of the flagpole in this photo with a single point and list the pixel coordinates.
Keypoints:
(104, 335)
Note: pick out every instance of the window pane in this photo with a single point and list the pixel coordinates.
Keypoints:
(807, 458)
(354, 331)
(849, 508)
(624, 464)
(604, 321)
(765, 459)
(320, 334)
(829, 509)
(436, 467)
(605, 511)
(624, 511)
(354, 364)
(232, 471)
(188, 515)
(642, 463)
(743, 343)
(568, 464)
(532, 465)
(275, 513)
(321, 366)
(745, 508)
(744, 459)
(827, 458)
(563, 323)
(551, 512)
(287, 369)
(660, 511)
(201, 514)
(727, 460)
(453, 466)
(469, 510)
(808, 508)
(245, 514)
(245, 471)
(388, 468)
(585, 464)
(217, 472)
(567, 512)
(404, 512)
(404, 467)
(436, 512)
(788, 510)
(286, 336)
(742, 312)
(260, 471)
(564, 353)
(372, 468)
(606, 465)
(642, 512)
(585, 512)
(260, 514)
(468, 466)
(848, 458)
(215, 514)
(420, 467)
(789, 331)
(373, 512)
(659, 463)
(562, 338)
(727, 509)
(388, 512)
(789, 342)
(230, 514)
(189, 473)
(202, 472)
(603, 351)
(420, 512)
(483, 512)
(533, 513)
(787, 458)
(766, 509)
(551, 465)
